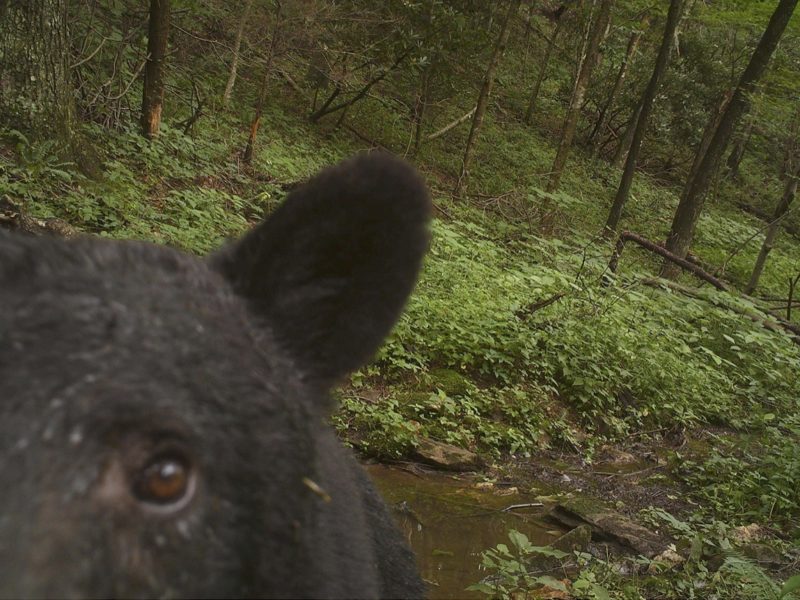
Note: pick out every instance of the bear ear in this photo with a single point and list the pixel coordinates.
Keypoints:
(330, 270)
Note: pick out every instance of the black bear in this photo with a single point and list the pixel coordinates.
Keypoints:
(162, 418)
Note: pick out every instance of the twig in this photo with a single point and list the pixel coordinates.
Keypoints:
(526, 505)
(450, 126)
(88, 58)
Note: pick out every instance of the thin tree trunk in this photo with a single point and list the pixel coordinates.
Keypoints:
(624, 144)
(691, 205)
(781, 209)
(737, 152)
(589, 60)
(633, 44)
(237, 44)
(153, 91)
(673, 18)
(327, 109)
(420, 106)
(790, 149)
(483, 97)
(551, 43)
(579, 90)
(249, 149)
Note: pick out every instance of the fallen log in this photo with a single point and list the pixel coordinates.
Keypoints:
(775, 324)
(687, 265)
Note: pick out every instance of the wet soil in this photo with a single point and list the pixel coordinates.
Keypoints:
(449, 519)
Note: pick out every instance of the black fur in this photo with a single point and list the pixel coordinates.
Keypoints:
(112, 353)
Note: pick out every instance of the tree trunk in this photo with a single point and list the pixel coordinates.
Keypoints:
(708, 135)
(772, 231)
(36, 94)
(249, 149)
(737, 152)
(633, 44)
(153, 91)
(420, 104)
(791, 150)
(624, 144)
(691, 204)
(581, 83)
(551, 43)
(673, 18)
(237, 44)
(483, 97)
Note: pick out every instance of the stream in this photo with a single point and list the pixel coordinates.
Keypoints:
(449, 522)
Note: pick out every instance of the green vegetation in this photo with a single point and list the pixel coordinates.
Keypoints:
(517, 340)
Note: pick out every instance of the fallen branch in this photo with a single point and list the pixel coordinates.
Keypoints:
(14, 218)
(532, 308)
(450, 126)
(775, 324)
(765, 216)
(526, 505)
(663, 252)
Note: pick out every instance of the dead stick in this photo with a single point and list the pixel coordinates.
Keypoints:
(655, 248)
(455, 123)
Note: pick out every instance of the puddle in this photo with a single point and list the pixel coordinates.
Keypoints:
(449, 522)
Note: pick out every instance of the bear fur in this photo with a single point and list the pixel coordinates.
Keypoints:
(162, 417)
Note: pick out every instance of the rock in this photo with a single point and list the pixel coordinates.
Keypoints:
(484, 485)
(445, 456)
(609, 524)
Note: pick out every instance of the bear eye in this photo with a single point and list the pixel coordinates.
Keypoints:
(165, 480)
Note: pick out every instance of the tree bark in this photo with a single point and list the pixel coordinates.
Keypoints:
(153, 91)
(691, 204)
(483, 97)
(573, 112)
(633, 44)
(624, 144)
(249, 149)
(237, 44)
(36, 94)
(737, 152)
(673, 18)
(781, 209)
(708, 136)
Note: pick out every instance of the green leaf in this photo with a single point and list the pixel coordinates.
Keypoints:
(792, 584)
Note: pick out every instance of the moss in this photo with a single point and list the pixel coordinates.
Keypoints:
(407, 397)
(450, 382)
